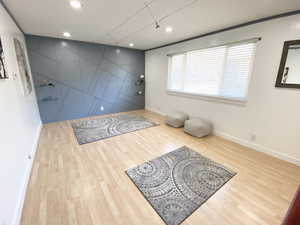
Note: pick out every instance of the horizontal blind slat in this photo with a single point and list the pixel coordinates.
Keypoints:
(222, 71)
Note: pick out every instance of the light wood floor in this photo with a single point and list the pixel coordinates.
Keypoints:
(86, 185)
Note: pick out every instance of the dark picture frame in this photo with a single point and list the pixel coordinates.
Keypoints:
(281, 70)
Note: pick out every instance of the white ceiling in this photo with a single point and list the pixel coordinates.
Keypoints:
(126, 21)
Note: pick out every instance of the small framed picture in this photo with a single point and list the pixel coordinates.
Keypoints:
(23, 67)
(3, 71)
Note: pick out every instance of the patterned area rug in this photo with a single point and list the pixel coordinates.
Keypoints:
(178, 183)
(87, 131)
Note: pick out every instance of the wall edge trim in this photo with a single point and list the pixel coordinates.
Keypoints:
(258, 148)
(11, 16)
(261, 20)
(22, 194)
(245, 143)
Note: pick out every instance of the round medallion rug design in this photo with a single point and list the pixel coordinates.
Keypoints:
(87, 131)
(179, 182)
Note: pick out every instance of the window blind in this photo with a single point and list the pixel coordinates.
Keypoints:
(222, 71)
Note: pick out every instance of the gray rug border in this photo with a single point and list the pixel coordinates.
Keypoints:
(234, 174)
(154, 125)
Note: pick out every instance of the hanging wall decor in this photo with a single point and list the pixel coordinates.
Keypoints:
(23, 67)
(3, 71)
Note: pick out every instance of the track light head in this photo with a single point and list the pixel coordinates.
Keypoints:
(157, 25)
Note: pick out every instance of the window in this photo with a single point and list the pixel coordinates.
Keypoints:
(222, 71)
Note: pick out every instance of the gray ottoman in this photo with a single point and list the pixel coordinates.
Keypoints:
(176, 119)
(197, 127)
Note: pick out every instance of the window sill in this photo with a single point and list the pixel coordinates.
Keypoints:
(227, 100)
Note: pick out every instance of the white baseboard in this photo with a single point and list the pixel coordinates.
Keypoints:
(254, 146)
(18, 212)
(259, 148)
(155, 110)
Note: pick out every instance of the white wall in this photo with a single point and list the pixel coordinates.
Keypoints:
(272, 114)
(19, 129)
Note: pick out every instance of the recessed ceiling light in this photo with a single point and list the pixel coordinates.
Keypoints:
(75, 4)
(131, 44)
(67, 34)
(169, 29)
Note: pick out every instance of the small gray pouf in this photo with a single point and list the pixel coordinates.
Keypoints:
(176, 119)
(197, 127)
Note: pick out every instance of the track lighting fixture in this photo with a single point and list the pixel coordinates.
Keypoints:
(157, 25)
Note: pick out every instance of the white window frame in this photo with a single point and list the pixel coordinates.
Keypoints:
(215, 98)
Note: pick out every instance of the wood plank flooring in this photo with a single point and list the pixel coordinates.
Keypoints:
(87, 185)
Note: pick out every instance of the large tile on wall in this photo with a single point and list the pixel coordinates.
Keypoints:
(50, 99)
(42, 65)
(48, 47)
(75, 105)
(112, 89)
(113, 69)
(91, 52)
(101, 107)
(75, 72)
(33, 43)
(130, 89)
(130, 60)
(123, 104)
(91, 79)
(100, 84)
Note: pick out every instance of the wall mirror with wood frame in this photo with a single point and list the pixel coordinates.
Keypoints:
(289, 69)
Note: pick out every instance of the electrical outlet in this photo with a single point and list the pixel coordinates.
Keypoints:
(29, 157)
(253, 137)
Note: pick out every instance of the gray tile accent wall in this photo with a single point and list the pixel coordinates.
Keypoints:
(90, 79)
